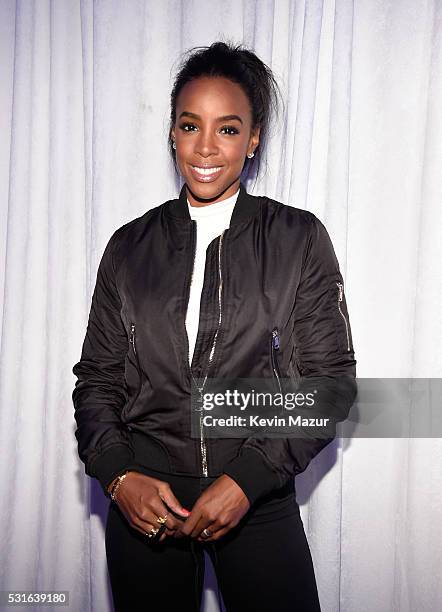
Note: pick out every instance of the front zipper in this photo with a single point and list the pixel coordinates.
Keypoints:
(275, 344)
(340, 298)
(211, 355)
(203, 447)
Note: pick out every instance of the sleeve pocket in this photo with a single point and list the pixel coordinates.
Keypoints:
(340, 316)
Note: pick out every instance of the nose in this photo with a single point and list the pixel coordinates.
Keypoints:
(205, 144)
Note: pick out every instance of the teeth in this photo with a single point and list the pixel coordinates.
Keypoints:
(206, 171)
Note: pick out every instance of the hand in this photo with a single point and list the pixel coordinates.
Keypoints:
(142, 499)
(219, 508)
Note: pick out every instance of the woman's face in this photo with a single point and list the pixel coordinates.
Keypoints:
(213, 131)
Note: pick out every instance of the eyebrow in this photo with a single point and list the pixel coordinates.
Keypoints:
(223, 118)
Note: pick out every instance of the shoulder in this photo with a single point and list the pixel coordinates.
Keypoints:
(295, 226)
(289, 215)
(132, 231)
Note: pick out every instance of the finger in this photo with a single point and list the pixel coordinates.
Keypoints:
(188, 526)
(156, 510)
(170, 529)
(204, 523)
(196, 523)
(144, 529)
(168, 533)
(142, 526)
(216, 535)
(161, 511)
(146, 520)
(160, 535)
(149, 527)
(212, 528)
(165, 493)
(155, 534)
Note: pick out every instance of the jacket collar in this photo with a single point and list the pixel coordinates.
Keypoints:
(246, 206)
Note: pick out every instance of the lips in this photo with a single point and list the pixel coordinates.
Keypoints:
(206, 174)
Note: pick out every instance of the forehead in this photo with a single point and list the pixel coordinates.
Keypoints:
(213, 96)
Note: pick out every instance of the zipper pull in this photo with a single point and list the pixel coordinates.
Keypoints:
(341, 291)
(275, 339)
(132, 337)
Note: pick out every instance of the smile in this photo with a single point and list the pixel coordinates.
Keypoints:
(206, 174)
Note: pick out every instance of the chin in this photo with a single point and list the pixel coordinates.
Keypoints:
(208, 191)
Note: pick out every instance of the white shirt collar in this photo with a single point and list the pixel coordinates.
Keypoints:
(216, 208)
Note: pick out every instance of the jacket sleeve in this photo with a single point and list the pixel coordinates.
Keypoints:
(324, 360)
(104, 443)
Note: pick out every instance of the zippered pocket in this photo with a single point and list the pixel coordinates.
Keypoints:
(343, 330)
(132, 342)
(274, 348)
(132, 339)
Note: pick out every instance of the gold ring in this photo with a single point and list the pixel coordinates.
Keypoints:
(153, 532)
(162, 519)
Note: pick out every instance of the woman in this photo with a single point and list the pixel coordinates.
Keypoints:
(214, 284)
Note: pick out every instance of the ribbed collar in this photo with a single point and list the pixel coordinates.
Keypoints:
(246, 206)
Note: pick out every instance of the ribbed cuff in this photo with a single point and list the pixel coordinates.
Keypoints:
(253, 474)
(110, 464)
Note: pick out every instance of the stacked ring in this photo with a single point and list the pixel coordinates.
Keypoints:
(156, 533)
(153, 532)
(162, 519)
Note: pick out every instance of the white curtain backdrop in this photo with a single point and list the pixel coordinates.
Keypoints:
(84, 93)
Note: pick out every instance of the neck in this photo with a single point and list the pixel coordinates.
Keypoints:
(226, 193)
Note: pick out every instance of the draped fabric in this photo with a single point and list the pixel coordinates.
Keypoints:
(84, 112)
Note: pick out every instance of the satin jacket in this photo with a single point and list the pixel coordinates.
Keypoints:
(272, 304)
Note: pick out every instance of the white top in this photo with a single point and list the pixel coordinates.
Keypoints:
(211, 220)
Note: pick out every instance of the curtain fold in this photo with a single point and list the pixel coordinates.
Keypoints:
(84, 97)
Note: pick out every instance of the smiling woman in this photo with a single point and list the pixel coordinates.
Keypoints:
(247, 287)
(211, 145)
(221, 109)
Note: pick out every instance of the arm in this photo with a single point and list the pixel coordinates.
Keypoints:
(324, 359)
(104, 443)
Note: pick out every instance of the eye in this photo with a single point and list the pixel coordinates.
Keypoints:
(232, 129)
(191, 127)
(184, 127)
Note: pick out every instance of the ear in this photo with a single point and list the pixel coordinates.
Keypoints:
(172, 133)
(254, 138)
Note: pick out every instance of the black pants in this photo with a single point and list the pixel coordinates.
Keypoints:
(263, 564)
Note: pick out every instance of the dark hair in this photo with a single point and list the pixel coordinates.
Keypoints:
(242, 66)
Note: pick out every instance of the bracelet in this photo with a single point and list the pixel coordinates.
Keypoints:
(117, 483)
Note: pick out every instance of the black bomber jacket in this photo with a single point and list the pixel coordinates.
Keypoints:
(272, 272)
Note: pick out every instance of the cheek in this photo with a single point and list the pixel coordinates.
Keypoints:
(236, 152)
(185, 147)
(185, 152)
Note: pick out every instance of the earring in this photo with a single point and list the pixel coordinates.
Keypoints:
(250, 155)
(174, 145)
